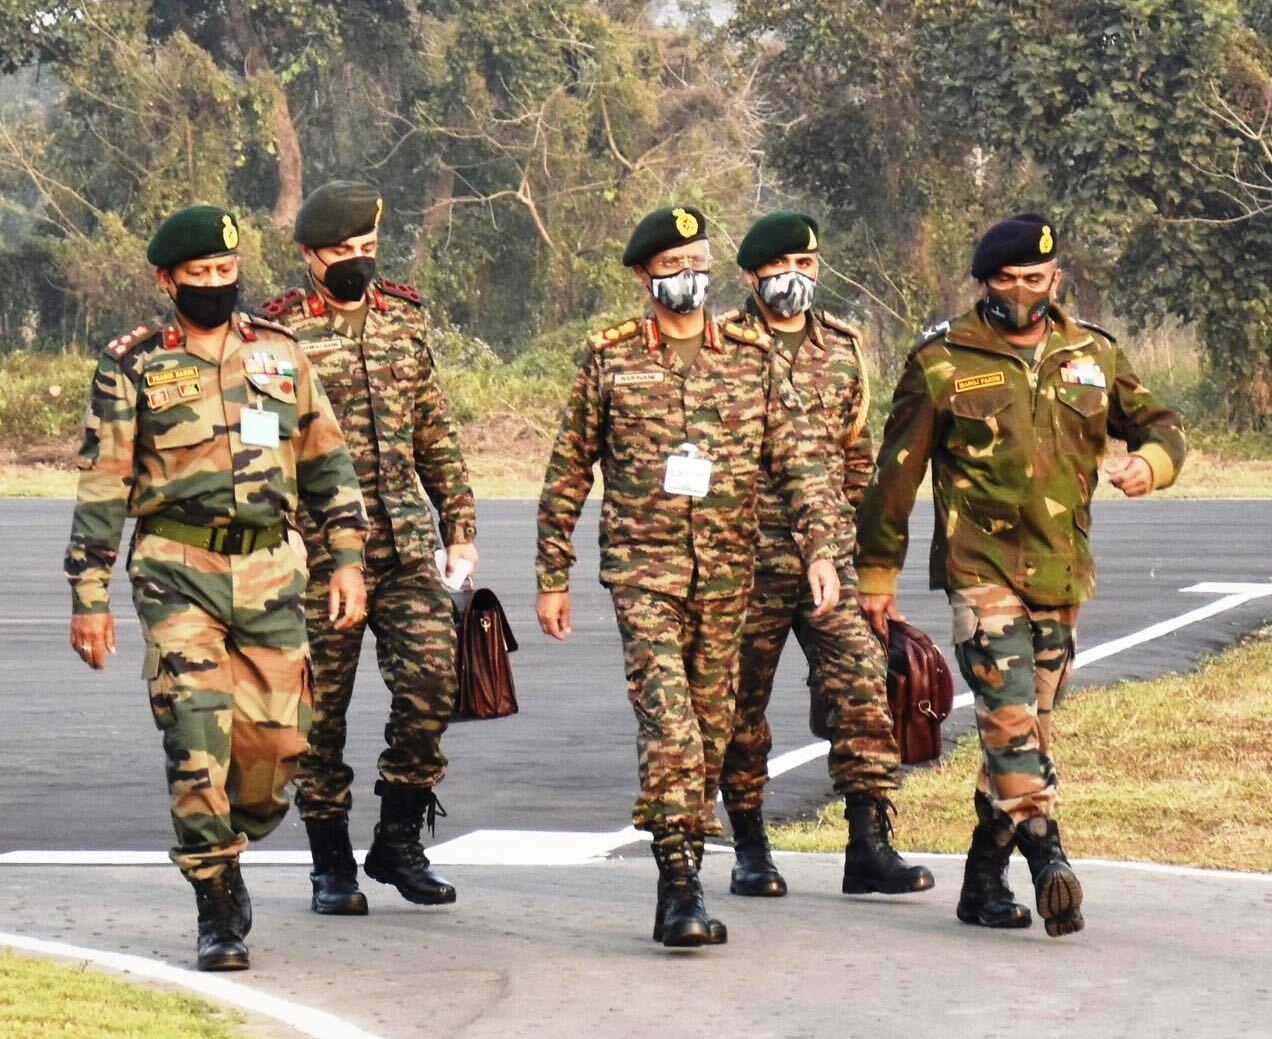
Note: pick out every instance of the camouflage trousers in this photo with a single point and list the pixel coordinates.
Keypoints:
(680, 657)
(1016, 658)
(846, 668)
(226, 666)
(413, 619)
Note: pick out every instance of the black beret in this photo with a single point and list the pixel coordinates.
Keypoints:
(664, 229)
(777, 234)
(191, 234)
(338, 210)
(1019, 241)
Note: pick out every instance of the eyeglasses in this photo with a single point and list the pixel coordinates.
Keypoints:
(674, 264)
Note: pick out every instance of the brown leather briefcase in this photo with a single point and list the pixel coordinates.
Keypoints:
(486, 689)
(920, 694)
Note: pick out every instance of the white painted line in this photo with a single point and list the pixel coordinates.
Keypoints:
(307, 1021)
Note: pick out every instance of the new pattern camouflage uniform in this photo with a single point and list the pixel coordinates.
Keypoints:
(1015, 452)
(678, 567)
(398, 425)
(226, 654)
(847, 669)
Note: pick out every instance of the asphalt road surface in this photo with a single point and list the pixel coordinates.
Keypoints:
(82, 764)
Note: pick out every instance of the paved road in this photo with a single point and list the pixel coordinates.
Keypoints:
(81, 759)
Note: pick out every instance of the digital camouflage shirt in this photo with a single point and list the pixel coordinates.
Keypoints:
(1015, 453)
(633, 404)
(829, 374)
(162, 435)
(396, 418)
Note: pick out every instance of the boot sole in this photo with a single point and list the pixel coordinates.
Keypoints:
(1015, 923)
(431, 900)
(860, 886)
(770, 889)
(224, 963)
(357, 909)
(1059, 897)
(692, 940)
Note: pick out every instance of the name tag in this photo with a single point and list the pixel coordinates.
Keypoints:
(318, 347)
(980, 382)
(258, 427)
(170, 375)
(688, 473)
(638, 378)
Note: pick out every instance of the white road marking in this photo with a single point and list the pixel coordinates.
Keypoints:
(306, 1020)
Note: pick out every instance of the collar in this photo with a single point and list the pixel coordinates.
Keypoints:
(975, 331)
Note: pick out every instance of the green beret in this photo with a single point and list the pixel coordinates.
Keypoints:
(664, 229)
(1019, 241)
(191, 234)
(338, 210)
(777, 234)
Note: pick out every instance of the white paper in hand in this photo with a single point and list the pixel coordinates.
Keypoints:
(463, 570)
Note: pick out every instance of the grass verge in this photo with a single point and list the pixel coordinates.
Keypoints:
(1176, 769)
(41, 1000)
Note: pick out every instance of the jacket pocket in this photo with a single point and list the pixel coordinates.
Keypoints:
(1081, 419)
(979, 420)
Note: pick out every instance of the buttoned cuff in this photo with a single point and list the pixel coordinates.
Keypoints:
(1159, 461)
(88, 597)
(876, 580)
(553, 580)
(463, 532)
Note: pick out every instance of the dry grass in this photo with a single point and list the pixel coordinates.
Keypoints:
(40, 1000)
(1177, 769)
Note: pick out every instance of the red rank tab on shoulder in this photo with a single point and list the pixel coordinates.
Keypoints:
(283, 303)
(171, 337)
(712, 337)
(378, 301)
(315, 305)
(406, 292)
(245, 330)
(649, 332)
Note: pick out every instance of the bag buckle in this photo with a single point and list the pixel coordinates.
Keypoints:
(925, 707)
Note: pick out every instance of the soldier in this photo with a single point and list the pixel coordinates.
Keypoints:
(681, 411)
(821, 356)
(368, 341)
(207, 428)
(1013, 403)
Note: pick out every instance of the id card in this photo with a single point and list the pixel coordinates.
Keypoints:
(688, 473)
(258, 427)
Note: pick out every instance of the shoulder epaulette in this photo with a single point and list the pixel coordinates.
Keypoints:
(256, 321)
(1091, 326)
(119, 347)
(746, 332)
(406, 292)
(279, 306)
(839, 324)
(931, 334)
(615, 334)
(736, 315)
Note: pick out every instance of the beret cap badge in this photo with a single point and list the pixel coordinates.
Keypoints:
(229, 233)
(686, 222)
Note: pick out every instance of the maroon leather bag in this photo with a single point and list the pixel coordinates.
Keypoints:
(486, 688)
(920, 694)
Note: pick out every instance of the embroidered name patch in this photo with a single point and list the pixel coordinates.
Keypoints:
(638, 378)
(980, 382)
(171, 375)
(317, 347)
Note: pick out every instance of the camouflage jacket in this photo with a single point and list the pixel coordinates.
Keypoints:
(829, 373)
(162, 436)
(1015, 458)
(395, 416)
(633, 403)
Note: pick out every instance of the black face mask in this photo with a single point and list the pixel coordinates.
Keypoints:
(208, 306)
(347, 280)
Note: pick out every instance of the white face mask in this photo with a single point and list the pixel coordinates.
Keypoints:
(683, 292)
(788, 293)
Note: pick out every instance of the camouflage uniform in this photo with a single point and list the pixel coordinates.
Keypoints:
(397, 423)
(226, 654)
(1015, 453)
(846, 663)
(679, 567)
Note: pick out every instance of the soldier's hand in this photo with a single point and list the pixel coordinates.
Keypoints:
(92, 637)
(461, 562)
(879, 609)
(553, 609)
(347, 598)
(1132, 476)
(823, 581)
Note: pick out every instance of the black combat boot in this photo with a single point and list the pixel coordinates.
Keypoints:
(719, 933)
(1056, 889)
(221, 930)
(397, 856)
(754, 873)
(680, 919)
(335, 873)
(870, 861)
(986, 899)
(242, 900)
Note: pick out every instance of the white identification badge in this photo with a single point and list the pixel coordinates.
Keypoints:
(258, 427)
(688, 473)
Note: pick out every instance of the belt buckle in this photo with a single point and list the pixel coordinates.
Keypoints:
(232, 544)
